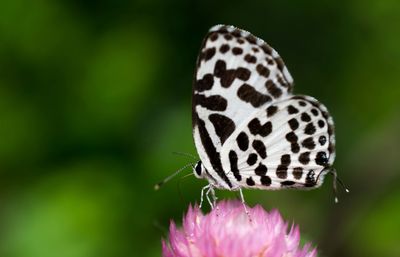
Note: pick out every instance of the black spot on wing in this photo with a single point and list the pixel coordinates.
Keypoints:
(302, 103)
(260, 148)
(248, 94)
(287, 183)
(219, 68)
(280, 63)
(240, 41)
(304, 158)
(321, 159)
(256, 128)
(322, 140)
(293, 124)
(227, 78)
(281, 171)
(250, 181)
(273, 89)
(236, 33)
(213, 36)
(228, 37)
(252, 159)
(314, 111)
(223, 29)
(242, 73)
(211, 151)
(266, 48)
(213, 103)
(261, 169)
(271, 110)
(237, 51)
(295, 147)
(242, 141)
(223, 126)
(309, 129)
(233, 159)
(331, 147)
(305, 117)
(262, 70)
(310, 179)
(224, 48)
(251, 39)
(297, 172)
(250, 58)
(330, 129)
(208, 53)
(308, 143)
(265, 180)
(284, 83)
(292, 110)
(285, 159)
(291, 137)
(205, 83)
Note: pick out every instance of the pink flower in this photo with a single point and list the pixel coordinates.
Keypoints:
(227, 231)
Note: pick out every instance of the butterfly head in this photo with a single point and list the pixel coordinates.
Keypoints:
(199, 170)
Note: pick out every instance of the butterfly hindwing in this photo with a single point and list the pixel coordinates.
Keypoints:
(287, 144)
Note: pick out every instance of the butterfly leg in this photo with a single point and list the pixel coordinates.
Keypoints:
(244, 203)
(202, 194)
(214, 198)
(210, 190)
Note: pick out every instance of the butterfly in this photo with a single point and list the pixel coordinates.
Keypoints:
(250, 131)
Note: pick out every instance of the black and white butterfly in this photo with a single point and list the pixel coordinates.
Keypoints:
(250, 131)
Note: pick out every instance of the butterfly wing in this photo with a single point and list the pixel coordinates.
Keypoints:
(237, 74)
(289, 143)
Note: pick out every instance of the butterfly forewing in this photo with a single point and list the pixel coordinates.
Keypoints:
(236, 75)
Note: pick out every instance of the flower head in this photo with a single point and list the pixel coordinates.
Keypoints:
(227, 231)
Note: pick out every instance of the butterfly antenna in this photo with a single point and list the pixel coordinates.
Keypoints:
(336, 179)
(159, 184)
(186, 154)
(187, 175)
(342, 184)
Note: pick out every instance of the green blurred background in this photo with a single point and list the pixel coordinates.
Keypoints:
(95, 96)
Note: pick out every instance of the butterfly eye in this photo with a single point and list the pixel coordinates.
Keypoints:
(198, 168)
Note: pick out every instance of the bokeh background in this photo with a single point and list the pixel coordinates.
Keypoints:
(95, 96)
